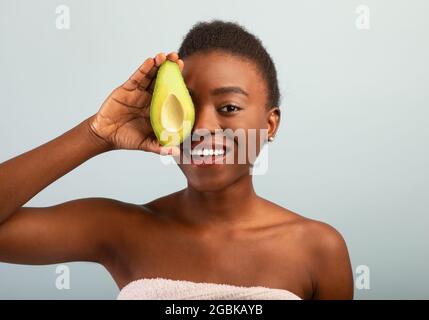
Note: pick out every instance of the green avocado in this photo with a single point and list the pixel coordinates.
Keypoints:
(172, 112)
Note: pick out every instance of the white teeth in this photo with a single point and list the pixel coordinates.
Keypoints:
(198, 152)
(207, 152)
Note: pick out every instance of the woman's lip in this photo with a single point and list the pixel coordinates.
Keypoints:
(201, 147)
(215, 160)
(225, 148)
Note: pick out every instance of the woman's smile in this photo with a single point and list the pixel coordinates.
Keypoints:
(211, 151)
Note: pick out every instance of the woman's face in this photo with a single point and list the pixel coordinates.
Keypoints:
(228, 93)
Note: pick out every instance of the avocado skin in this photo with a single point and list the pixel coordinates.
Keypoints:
(169, 80)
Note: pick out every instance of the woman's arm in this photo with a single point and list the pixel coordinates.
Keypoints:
(331, 267)
(80, 229)
(63, 232)
(22, 177)
(76, 230)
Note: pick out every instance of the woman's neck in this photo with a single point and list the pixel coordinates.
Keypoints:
(230, 207)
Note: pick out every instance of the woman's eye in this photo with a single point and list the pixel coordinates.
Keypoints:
(229, 108)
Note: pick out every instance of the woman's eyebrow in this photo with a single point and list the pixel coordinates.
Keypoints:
(223, 90)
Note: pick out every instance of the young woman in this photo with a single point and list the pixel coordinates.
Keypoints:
(215, 231)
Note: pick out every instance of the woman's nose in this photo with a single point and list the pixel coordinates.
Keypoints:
(205, 119)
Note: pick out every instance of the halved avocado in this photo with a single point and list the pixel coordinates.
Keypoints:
(172, 112)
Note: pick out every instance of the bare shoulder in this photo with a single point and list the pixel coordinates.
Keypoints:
(327, 258)
(322, 238)
(319, 237)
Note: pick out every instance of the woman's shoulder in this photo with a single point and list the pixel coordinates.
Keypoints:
(326, 254)
(316, 235)
(324, 240)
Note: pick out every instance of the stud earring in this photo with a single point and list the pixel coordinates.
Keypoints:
(271, 139)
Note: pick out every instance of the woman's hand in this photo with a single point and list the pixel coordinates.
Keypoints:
(123, 120)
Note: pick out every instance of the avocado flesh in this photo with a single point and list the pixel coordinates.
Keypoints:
(172, 112)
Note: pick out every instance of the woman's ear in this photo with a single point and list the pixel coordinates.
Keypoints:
(273, 119)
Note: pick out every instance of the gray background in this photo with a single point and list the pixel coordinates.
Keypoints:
(351, 150)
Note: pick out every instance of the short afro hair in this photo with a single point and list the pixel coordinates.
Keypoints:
(234, 39)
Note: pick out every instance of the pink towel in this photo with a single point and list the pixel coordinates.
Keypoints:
(168, 289)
